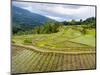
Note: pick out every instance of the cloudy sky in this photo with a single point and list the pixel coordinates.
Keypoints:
(57, 11)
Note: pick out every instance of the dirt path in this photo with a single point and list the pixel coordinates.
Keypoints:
(48, 51)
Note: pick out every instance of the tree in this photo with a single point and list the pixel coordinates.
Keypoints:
(81, 20)
(73, 22)
(90, 21)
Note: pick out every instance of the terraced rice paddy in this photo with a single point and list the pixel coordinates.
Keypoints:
(66, 50)
(26, 60)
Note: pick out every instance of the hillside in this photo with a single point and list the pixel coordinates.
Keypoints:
(23, 20)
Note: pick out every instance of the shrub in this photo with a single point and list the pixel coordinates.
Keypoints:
(27, 41)
(13, 41)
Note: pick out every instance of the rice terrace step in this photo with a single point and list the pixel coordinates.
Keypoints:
(77, 50)
(34, 61)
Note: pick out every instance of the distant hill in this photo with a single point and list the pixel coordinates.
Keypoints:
(23, 20)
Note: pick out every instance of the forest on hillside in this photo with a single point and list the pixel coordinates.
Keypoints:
(52, 26)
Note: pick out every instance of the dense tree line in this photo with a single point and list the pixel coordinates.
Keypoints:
(47, 28)
(21, 28)
(52, 27)
(89, 21)
(72, 22)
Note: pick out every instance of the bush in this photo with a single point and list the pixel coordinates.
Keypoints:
(27, 41)
(13, 41)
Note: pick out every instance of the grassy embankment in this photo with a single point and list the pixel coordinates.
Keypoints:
(68, 38)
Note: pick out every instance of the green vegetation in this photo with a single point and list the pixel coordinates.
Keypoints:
(55, 46)
(27, 41)
(52, 26)
(69, 38)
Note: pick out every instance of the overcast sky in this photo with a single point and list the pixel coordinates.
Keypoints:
(57, 11)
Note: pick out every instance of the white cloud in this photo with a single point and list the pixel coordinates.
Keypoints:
(57, 11)
(55, 18)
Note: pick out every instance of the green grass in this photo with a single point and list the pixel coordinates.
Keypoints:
(87, 39)
(28, 41)
(68, 36)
